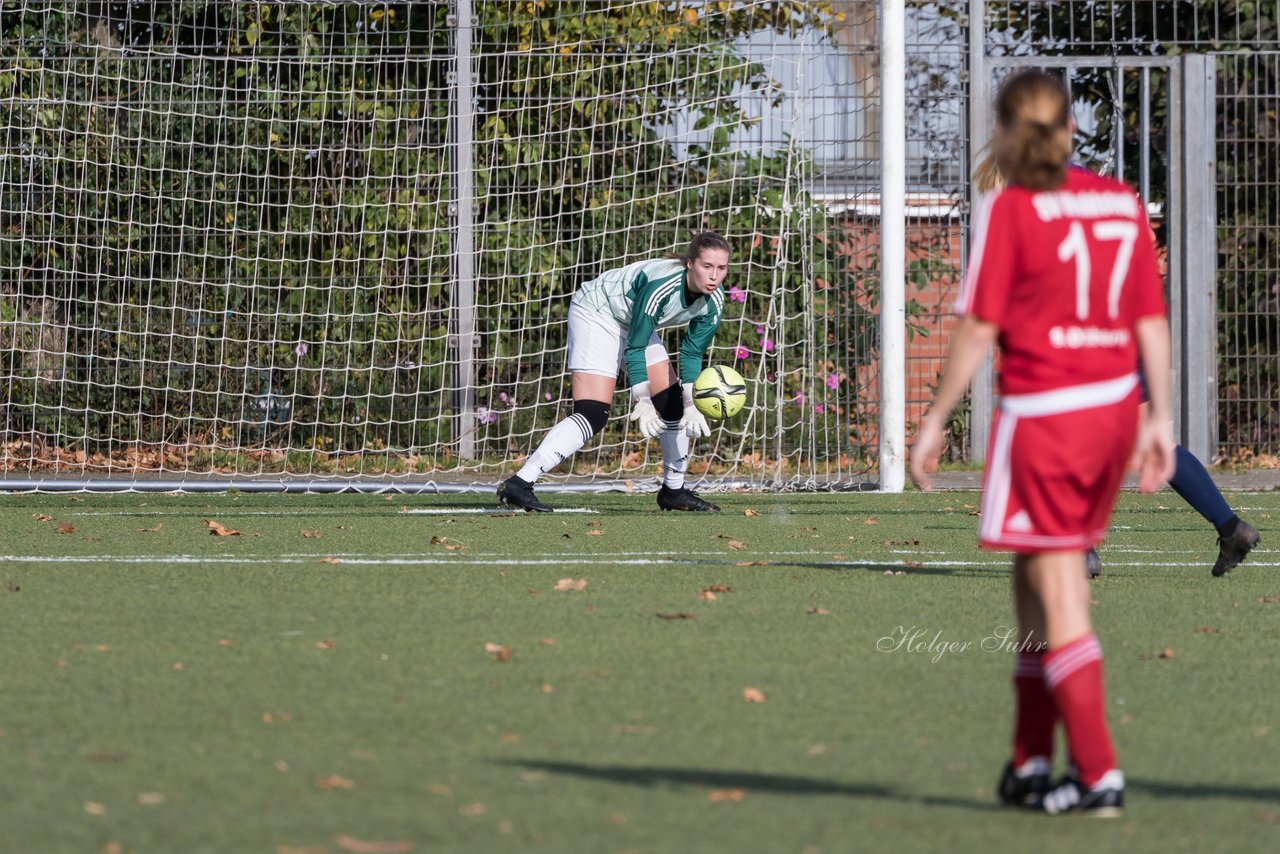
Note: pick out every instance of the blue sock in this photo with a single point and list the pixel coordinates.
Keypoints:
(1192, 482)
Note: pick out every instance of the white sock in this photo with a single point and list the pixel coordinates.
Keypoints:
(562, 440)
(675, 454)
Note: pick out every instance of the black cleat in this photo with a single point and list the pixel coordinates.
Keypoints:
(1232, 549)
(1025, 789)
(515, 492)
(1092, 563)
(1104, 800)
(684, 499)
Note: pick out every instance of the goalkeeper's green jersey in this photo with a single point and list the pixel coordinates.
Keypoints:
(651, 295)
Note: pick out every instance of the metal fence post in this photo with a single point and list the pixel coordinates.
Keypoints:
(463, 300)
(980, 393)
(1198, 219)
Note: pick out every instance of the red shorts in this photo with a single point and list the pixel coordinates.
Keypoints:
(1055, 465)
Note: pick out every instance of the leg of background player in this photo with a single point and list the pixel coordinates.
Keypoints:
(1026, 777)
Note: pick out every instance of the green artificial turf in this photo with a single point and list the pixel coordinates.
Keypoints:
(164, 689)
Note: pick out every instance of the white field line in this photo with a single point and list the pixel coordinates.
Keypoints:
(539, 560)
(231, 511)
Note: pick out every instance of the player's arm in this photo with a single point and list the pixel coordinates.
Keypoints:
(1153, 453)
(693, 355)
(643, 324)
(983, 298)
(969, 345)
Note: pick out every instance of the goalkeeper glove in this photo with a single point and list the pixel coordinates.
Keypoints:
(643, 411)
(693, 421)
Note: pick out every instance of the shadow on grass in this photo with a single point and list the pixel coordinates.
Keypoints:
(1164, 789)
(780, 784)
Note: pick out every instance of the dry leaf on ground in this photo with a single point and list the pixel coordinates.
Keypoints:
(221, 530)
(498, 651)
(43, 517)
(94, 808)
(369, 846)
(736, 545)
(752, 563)
(707, 596)
(820, 612)
(571, 584)
(723, 795)
(148, 799)
(326, 644)
(753, 695)
(158, 526)
(330, 560)
(310, 535)
(676, 615)
(334, 781)
(595, 532)
(66, 528)
(750, 512)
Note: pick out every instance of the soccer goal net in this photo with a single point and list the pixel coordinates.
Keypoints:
(306, 242)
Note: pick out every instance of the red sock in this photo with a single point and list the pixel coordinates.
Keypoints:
(1035, 713)
(1074, 675)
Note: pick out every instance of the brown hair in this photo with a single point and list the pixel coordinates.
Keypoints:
(1032, 145)
(705, 240)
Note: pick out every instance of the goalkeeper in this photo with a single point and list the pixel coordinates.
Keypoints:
(613, 319)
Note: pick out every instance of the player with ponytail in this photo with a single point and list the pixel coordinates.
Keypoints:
(1063, 276)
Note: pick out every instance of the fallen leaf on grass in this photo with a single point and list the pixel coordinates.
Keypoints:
(1270, 600)
(570, 584)
(547, 641)
(736, 545)
(902, 542)
(94, 808)
(1168, 653)
(871, 522)
(498, 651)
(224, 642)
(43, 517)
(510, 738)
(310, 535)
(221, 530)
(595, 523)
(676, 615)
(158, 526)
(750, 512)
(707, 596)
(753, 695)
(334, 781)
(1208, 630)
(370, 846)
(595, 532)
(177, 665)
(310, 849)
(914, 564)
(13, 588)
(330, 560)
(326, 644)
(440, 789)
(752, 563)
(66, 528)
(720, 588)
(117, 848)
(472, 809)
(819, 612)
(150, 799)
(718, 796)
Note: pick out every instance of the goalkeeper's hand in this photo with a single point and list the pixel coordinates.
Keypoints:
(693, 422)
(642, 411)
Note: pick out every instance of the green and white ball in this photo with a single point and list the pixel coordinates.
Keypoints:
(719, 392)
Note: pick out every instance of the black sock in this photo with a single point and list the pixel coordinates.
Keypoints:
(1227, 528)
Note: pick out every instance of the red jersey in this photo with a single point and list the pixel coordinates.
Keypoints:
(1065, 274)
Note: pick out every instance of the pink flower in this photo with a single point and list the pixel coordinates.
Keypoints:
(833, 381)
(502, 396)
(737, 295)
(759, 330)
(799, 398)
(819, 409)
(485, 415)
(547, 396)
(766, 345)
(301, 349)
(741, 352)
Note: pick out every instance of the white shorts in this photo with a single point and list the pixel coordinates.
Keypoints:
(597, 344)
